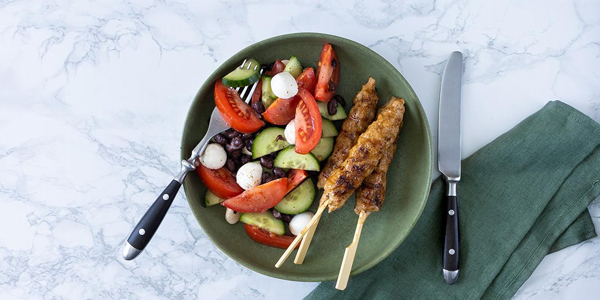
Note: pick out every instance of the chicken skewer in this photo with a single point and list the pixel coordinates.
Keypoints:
(369, 198)
(362, 159)
(360, 116)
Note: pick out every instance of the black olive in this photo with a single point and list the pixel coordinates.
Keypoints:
(340, 100)
(266, 162)
(276, 214)
(331, 87)
(246, 136)
(333, 63)
(249, 142)
(249, 147)
(332, 107)
(280, 173)
(258, 107)
(245, 159)
(230, 165)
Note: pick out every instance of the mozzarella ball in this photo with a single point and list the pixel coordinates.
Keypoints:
(290, 132)
(214, 156)
(284, 85)
(249, 175)
(300, 221)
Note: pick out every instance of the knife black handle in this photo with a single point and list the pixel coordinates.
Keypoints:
(452, 237)
(145, 229)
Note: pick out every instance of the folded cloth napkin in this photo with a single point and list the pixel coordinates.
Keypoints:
(521, 197)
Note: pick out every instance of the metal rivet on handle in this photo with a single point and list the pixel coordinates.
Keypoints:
(166, 197)
(451, 251)
(142, 231)
(451, 212)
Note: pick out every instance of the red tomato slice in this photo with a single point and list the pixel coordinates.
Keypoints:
(282, 111)
(328, 74)
(295, 177)
(259, 198)
(239, 115)
(308, 123)
(277, 68)
(220, 182)
(257, 92)
(307, 80)
(267, 238)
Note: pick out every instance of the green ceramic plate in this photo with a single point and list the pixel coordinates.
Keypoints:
(408, 178)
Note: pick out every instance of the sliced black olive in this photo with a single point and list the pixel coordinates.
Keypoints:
(332, 107)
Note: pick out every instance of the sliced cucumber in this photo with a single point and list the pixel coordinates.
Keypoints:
(293, 67)
(264, 221)
(339, 115)
(211, 199)
(267, 97)
(245, 75)
(299, 199)
(289, 159)
(329, 129)
(323, 148)
(268, 141)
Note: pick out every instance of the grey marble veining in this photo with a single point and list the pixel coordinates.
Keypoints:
(93, 95)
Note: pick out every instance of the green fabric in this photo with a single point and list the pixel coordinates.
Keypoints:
(522, 196)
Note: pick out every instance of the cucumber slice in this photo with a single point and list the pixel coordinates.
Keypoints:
(265, 221)
(267, 97)
(329, 129)
(293, 67)
(289, 159)
(323, 148)
(299, 199)
(339, 115)
(268, 141)
(211, 199)
(242, 76)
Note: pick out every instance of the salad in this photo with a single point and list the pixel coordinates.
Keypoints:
(261, 168)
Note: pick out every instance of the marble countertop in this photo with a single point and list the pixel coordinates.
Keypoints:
(93, 96)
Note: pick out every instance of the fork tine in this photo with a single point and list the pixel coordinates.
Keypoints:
(248, 97)
(238, 89)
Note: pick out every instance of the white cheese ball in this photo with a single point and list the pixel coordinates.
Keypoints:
(284, 85)
(249, 175)
(290, 132)
(214, 156)
(300, 221)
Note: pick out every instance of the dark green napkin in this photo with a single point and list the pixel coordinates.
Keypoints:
(521, 197)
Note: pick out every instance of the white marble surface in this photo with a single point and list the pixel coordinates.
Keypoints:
(93, 96)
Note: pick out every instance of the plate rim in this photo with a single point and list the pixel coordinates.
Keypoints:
(383, 255)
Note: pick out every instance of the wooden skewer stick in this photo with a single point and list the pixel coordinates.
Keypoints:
(301, 254)
(302, 233)
(346, 267)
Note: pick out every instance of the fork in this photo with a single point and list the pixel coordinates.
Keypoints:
(147, 226)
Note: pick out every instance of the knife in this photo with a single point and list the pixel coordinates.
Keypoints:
(449, 147)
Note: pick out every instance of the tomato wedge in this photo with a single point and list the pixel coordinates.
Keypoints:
(239, 115)
(307, 80)
(220, 182)
(328, 74)
(257, 92)
(259, 198)
(295, 177)
(308, 123)
(282, 111)
(267, 238)
(277, 68)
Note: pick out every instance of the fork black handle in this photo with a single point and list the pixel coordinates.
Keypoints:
(147, 226)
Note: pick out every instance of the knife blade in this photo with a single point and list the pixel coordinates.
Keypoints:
(449, 156)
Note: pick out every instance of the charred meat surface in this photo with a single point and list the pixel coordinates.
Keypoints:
(360, 116)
